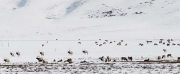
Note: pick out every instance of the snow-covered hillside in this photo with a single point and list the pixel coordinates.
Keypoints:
(89, 19)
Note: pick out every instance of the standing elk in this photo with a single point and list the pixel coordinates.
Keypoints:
(107, 59)
(169, 55)
(70, 52)
(148, 42)
(178, 58)
(126, 44)
(168, 44)
(85, 52)
(124, 58)
(119, 43)
(173, 44)
(18, 53)
(42, 45)
(45, 61)
(164, 43)
(68, 61)
(96, 42)
(100, 44)
(160, 41)
(122, 40)
(104, 42)
(6, 60)
(12, 54)
(163, 56)
(42, 53)
(178, 44)
(60, 60)
(130, 58)
(110, 42)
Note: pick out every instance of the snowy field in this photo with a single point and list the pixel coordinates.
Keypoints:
(55, 27)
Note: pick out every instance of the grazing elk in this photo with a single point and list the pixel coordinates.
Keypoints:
(60, 60)
(173, 44)
(85, 51)
(102, 58)
(107, 59)
(119, 43)
(79, 42)
(160, 41)
(68, 61)
(42, 53)
(40, 59)
(18, 53)
(169, 55)
(124, 58)
(130, 58)
(70, 52)
(163, 56)
(159, 58)
(155, 44)
(164, 50)
(146, 60)
(12, 54)
(106, 40)
(100, 44)
(140, 44)
(6, 60)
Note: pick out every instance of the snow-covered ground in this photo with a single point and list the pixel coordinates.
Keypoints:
(27, 24)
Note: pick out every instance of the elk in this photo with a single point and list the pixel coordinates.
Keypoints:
(100, 44)
(159, 57)
(99, 39)
(45, 61)
(18, 53)
(68, 61)
(130, 58)
(54, 60)
(59, 60)
(124, 58)
(122, 40)
(172, 40)
(79, 42)
(148, 42)
(12, 54)
(42, 45)
(146, 60)
(85, 51)
(155, 44)
(6, 60)
(173, 44)
(160, 41)
(164, 50)
(164, 43)
(126, 44)
(42, 53)
(163, 56)
(140, 44)
(96, 42)
(119, 43)
(168, 44)
(169, 55)
(70, 52)
(101, 58)
(178, 58)
(40, 59)
(104, 42)
(107, 59)
(110, 42)
(178, 44)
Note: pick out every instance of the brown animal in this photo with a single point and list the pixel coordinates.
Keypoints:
(42, 53)
(79, 42)
(163, 56)
(59, 60)
(160, 41)
(159, 57)
(18, 53)
(6, 60)
(164, 43)
(172, 40)
(168, 44)
(178, 44)
(148, 42)
(70, 52)
(85, 51)
(102, 58)
(146, 60)
(126, 44)
(54, 60)
(12, 54)
(178, 58)
(99, 39)
(45, 61)
(155, 44)
(119, 43)
(40, 59)
(104, 42)
(100, 44)
(130, 58)
(96, 42)
(110, 42)
(140, 44)
(42, 45)
(173, 44)
(68, 61)
(107, 59)
(164, 50)
(124, 58)
(169, 55)
(122, 40)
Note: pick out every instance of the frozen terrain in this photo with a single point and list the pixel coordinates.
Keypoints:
(26, 25)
